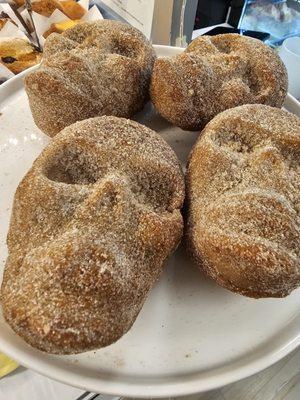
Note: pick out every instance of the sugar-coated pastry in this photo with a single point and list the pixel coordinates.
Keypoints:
(92, 69)
(60, 27)
(213, 74)
(243, 192)
(92, 224)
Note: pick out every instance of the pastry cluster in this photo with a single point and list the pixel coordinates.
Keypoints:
(18, 54)
(98, 214)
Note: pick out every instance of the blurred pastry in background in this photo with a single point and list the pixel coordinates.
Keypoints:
(70, 8)
(18, 54)
(7, 365)
(3, 22)
(3, 19)
(19, 3)
(60, 27)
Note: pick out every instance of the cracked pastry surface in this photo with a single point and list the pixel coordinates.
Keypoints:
(213, 74)
(243, 190)
(93, 222)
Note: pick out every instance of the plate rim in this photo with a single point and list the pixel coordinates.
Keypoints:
(188, 387)
(191, 383)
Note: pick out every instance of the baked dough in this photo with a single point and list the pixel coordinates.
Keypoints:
(243, 192)
(216, 73)
(60, 27)
(92, 69)
(93, 222)
(18, 54)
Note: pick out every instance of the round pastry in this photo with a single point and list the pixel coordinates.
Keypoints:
(213, 74)
(92, 69)
(93, 221)
(243, 189)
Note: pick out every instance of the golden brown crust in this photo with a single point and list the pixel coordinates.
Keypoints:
(243, 193)
(92, 224)
(60, 27)
(3, 22)
(45, 7)
(92, 69)
(18, 54)
(214, 74)
(19, 2)
(70, 8)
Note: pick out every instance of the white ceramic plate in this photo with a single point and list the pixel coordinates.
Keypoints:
(190, 336)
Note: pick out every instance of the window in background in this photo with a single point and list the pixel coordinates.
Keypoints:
(280, 18)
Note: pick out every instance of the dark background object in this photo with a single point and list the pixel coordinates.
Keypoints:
(211, 12)
(222, 29)
(235, 12)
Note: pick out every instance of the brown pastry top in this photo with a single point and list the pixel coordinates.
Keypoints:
(3, 21)
(92, 69)
(216, 73)
(243, 187)
(92, 223)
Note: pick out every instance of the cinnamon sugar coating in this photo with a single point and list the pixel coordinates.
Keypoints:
(92, 69)
(213, 74)
(243, 189)
(93, 222)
